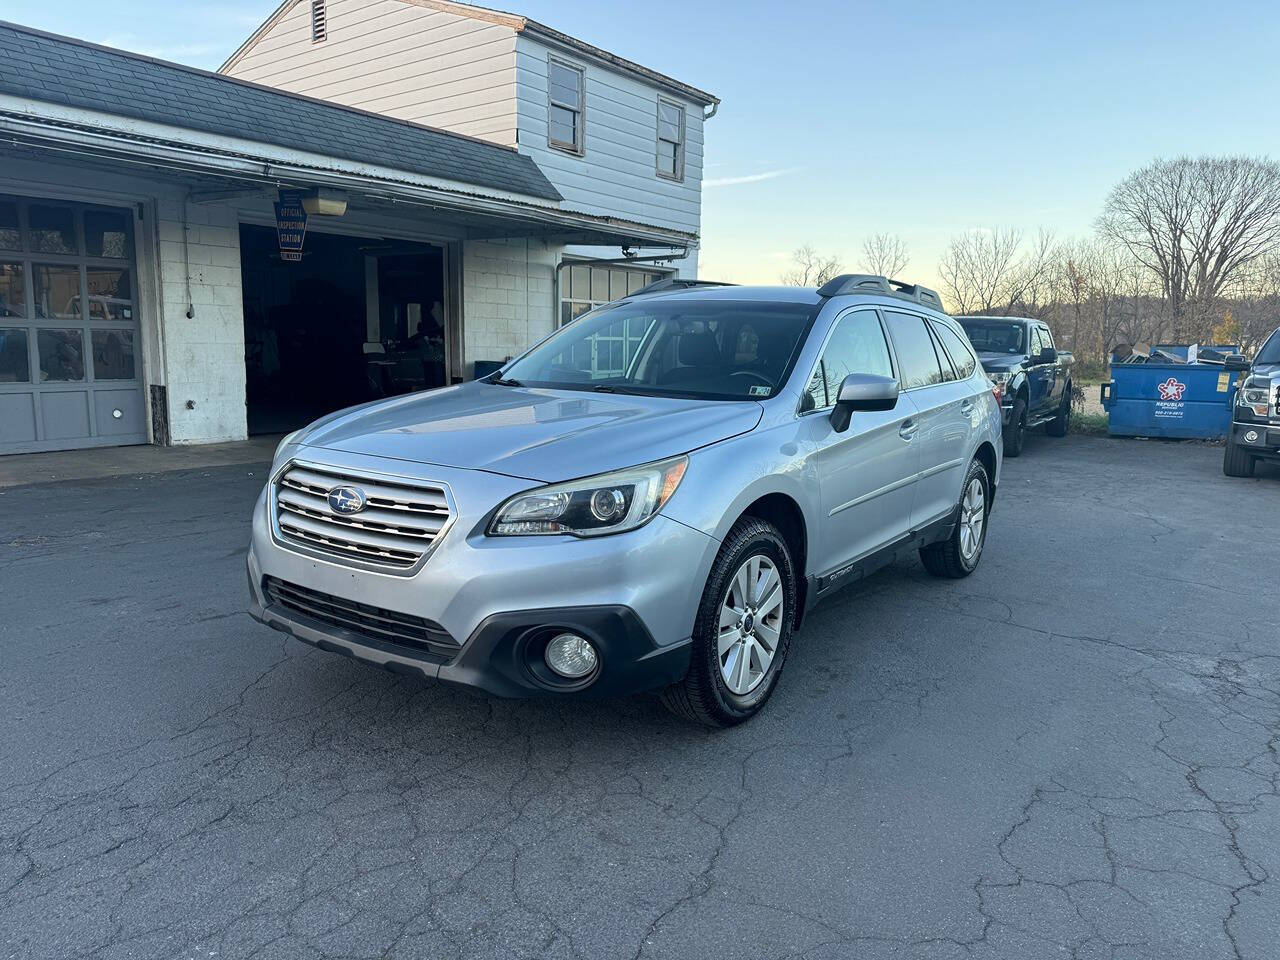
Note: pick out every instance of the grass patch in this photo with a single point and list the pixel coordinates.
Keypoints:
(1089, 424)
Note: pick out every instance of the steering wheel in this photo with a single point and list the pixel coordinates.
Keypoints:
(768, 382)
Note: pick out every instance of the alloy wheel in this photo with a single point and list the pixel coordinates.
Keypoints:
(973, 515)
(751, 618)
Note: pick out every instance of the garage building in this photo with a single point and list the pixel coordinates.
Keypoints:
(144, 296)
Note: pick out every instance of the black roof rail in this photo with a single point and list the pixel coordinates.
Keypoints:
(870, 283)
(677, 283)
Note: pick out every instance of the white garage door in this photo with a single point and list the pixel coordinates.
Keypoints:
(70, 350)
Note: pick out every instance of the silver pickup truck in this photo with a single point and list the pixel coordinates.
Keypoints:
(1255, 424)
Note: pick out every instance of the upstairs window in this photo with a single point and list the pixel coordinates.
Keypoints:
(670, 140)
(566, 108)
(319, 21)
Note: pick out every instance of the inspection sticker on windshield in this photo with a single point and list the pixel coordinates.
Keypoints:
(757, 390)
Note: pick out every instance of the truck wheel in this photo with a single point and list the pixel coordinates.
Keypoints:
(1016, 433)
(743, 629)
(958, 555)
(1237, 462)
(1060, 425)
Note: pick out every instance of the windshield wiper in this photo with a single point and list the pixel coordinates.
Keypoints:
(606, 388)
(506, 382)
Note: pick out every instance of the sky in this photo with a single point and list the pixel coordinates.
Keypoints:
(841, 120)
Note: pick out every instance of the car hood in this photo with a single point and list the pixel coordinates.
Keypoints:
(1000, 362)
(546, 435)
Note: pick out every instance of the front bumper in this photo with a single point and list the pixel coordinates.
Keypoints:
(1259, 438)
(490, 602)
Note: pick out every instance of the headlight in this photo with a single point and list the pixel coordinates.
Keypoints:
(1256, 393)
(288, 439)
(594, 506)
(998, 380)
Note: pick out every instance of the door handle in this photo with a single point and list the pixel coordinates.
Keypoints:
(967, 407)
(908, 430)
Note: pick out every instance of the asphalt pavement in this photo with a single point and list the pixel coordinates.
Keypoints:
(1073, 753)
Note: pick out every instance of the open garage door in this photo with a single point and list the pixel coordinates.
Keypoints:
(356, 319)
(70, 346)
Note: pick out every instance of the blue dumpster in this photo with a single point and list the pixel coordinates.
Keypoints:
(1169, 399)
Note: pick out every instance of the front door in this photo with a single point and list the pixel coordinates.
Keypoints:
(1039, 375)
(866, 475)
(70, 343)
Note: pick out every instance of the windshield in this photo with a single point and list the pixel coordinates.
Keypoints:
(710, 349)
(996, 336)
(1270, 352)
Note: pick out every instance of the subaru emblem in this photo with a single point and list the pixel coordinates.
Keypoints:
(346, 500)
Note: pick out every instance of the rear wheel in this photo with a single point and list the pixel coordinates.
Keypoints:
(958, 555)
(743, 629)
(1060, 425)
(1016, 433)
(1237, 462)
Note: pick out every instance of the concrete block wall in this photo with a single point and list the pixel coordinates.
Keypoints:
(204, 354)
(508, 297)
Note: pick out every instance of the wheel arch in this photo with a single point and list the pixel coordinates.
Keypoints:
(785, 513)
(986, 455)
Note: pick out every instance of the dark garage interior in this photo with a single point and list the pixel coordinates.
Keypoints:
(356, 319)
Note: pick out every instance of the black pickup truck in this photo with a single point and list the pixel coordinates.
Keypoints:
(1032, 378)
(1255, 424)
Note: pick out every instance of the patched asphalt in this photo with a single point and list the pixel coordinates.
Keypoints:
(1073, 753)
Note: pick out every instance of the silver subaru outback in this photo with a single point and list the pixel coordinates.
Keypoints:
(650, 499)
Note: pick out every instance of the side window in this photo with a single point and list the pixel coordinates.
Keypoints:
(565, 107)
(944, 360)
(1046, 336)
(916, 356)
(857, 345)
(962, 357)
(1037, 344)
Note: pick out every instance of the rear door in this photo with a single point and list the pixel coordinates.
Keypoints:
(940, 399)
(866, 475)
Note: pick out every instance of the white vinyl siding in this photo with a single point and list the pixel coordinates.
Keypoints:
(398, 59)
(616, 176)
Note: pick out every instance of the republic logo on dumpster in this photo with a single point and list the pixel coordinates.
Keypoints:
(1170, 402)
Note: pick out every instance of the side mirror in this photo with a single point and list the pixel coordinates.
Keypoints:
(1236, 362)
(862, 391)
(1047, 355)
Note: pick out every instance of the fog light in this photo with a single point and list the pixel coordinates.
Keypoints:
(1251, 436)
(571, 656)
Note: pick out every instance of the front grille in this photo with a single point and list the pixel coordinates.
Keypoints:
(369, 623)
(396, 529)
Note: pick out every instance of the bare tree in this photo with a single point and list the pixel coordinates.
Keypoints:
(1196, 224)
(885, 255)
(812, 269)
(984, 271)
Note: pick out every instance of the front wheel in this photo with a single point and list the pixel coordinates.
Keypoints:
(958, 555)
(1016, 433)
(1060, 425)
(1237, 462)
(743, 629)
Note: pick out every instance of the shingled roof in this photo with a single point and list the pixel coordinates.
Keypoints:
(53, 69)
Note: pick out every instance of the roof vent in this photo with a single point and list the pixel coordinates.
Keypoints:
(319, 21)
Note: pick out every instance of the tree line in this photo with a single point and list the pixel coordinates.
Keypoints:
(1185, 250)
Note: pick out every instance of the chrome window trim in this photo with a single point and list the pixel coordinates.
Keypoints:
(344, 563)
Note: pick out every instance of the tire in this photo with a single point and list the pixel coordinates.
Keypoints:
(1060, 425)
(1015, 434)
(958, 555)
(705, 695)
(1236, 462)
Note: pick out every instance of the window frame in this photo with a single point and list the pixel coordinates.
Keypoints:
(678, 176)
(826, 340)
(580, 112)
(972, 356)
(932, 341)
